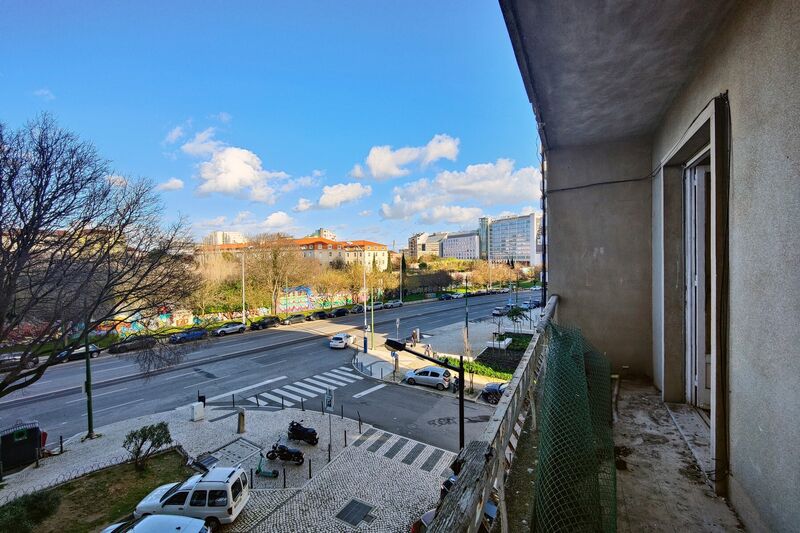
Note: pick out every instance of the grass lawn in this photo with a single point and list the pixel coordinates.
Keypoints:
(108, 496)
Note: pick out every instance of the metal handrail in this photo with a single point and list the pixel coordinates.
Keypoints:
(483, 463)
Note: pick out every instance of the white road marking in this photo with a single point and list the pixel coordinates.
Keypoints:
(340, 378)
(275, 399)
(346, 369)
(113, 368)
(341, 383)
(237, 391)
(181, 375)
(368, 391)
(301, 391)
(307, 386)
(83, 399)
(341, 373)
(287, 394)
(193, 385)
(115, 406)
(319, 383)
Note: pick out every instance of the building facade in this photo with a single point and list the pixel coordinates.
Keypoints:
(325, 234)
(422, 244)
(514, 239)
(463, 245)
(672, 215)
(216, 238)
(372, 254)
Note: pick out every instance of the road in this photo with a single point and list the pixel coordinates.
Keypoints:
(260, 369)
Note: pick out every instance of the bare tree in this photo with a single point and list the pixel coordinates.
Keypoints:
(78, 249)
(273, 264)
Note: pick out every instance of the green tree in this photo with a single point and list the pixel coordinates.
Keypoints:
(145, 441)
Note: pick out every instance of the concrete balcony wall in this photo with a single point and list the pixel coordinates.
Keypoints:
(599, 248)
(756, 58)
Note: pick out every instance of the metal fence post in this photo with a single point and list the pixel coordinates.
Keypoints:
(342, 417)
(345, 438)
(309, 469)
(359, 422)
(233, 400)
(302, 407)
(281, 401)
(284, 478)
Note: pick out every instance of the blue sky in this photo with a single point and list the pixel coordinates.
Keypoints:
(375, 119)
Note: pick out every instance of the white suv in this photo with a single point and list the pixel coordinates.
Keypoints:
(340, 340)
(218, 496)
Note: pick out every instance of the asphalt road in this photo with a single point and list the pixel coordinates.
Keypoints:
(289, 362)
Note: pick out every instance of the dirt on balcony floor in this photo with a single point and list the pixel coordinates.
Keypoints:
(659, 484)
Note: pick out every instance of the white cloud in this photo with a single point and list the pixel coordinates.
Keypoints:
(174, 135)
(278, 220)
(202, 144)
(215, 222)
(452, 214)
(341, 193)
(302, 182)
(303, 204)
(365, 213)
(492, 183)
(45, 94)
(172, 184)
(383, 162)
(117, 180)
(223, 117)
(243, 216)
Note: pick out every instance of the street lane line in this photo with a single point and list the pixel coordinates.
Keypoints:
(180, 375)
(287, 394)
(319, 383)
(112, 368)
(97, 395)
(307, 386)
(202, 382)
(369, 391)
(346, 375)
(275, 399)
(341, 383)
(237, 391)
(340, 378)
(301, 391)
(115, 406)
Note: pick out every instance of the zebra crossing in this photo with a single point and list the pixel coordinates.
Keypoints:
(307, 388)
(407, 451)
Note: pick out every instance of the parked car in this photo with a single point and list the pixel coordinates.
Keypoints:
(342, 311)
(433, 376)
(492, 392)
(318, 315)
(191, 334)
(376, 306)
(457, 295)
(293, 319)
(266, 322)
(135, 342)
(159, 523)
(499, 311)
(77, 353)
(341, 340)
(218, 496)
(12, 360)
(391, 304)
(227, 328)
(358, 308)
(446, 296)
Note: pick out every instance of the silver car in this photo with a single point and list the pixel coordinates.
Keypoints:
(432, 376)
(228, 327)
(391, 304)
(160, 523)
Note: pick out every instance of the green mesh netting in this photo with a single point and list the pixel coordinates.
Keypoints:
(575, 475)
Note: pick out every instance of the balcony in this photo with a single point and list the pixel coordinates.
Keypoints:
(572, 447)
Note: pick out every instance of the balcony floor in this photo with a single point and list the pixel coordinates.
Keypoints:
(659, 484)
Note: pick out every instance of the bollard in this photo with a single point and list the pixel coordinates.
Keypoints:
(252, 479)
(329, 452)
(342, 417)
(281, 401)
(258, 404)
(1, 470)
(345, 438)
(284, 478)
(359, 422)
(38, 450)
(240, 426)
(309, 469)
(61, 442)
(322, 406)
(233, 400)
(381, 373)
(302, 407)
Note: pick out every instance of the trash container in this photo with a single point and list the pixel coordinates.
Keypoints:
(19, 444)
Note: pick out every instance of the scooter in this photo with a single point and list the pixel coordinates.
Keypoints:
(299, 432)
(284, 453)
(263, 471)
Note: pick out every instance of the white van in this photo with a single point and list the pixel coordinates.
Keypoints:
(218, 496)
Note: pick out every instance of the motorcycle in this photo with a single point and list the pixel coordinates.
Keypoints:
(299, 432)
(284, 453)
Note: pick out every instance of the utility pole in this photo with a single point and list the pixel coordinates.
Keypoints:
(372, 320)
(466, 305)
(402, 260)
(489, 252)
(244, 319)
(88, 385)
(364, 265)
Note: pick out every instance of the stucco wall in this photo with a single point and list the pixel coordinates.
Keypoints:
(598, 245)
(756, 58)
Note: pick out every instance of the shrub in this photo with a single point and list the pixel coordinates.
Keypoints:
(24, 513)
(145, 441)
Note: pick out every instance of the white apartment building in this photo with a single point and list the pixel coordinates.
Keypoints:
(217, 238)
(421, 244)
(516, 238)
(326, 251)
(463, 245)
(324, 233)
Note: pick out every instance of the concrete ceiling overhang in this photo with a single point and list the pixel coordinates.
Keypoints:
(606, 70)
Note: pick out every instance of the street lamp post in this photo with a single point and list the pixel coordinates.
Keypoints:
(364, 254)
(244, 320)
(397, 344)
(466, 305)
